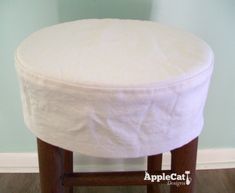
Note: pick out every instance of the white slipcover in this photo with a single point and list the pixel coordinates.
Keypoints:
(114, 88)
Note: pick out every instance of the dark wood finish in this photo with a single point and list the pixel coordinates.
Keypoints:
(184, 159)
(108, 178)
(51, 167)
(154, 163)
(68, 167)
(57, 176)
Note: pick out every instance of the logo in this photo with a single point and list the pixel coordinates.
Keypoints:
(171, 179)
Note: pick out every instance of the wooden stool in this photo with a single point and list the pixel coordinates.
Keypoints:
(57, 176)
(114, 88)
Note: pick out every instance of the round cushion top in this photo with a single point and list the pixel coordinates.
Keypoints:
(114, 88)
(113, 53)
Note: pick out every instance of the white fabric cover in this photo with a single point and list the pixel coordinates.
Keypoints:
(114, 88)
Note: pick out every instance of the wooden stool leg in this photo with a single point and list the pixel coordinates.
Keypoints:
(184, 159)
(154, 164)
(68, 167)
(51, 167)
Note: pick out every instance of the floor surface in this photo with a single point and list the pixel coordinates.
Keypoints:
(208, 181)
